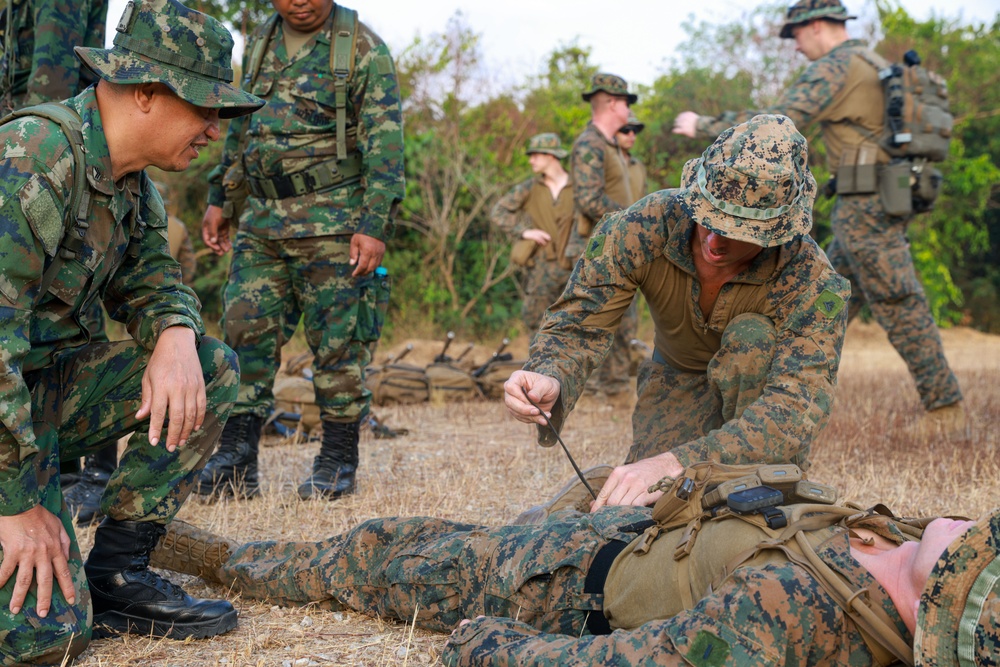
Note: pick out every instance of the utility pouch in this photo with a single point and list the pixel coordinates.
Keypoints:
(857, 173)
(895, 191)
(234, 184)
(522, 252)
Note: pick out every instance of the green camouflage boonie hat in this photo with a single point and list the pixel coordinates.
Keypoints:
(548, 143)
(610, 84)
(958, 620)
(804, 11)
(753, 183)
(633, 122)
(162, 41)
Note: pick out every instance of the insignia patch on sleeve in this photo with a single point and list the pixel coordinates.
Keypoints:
(708, 650)
(43, 215)
(383, 64)
(829, 304)
(596, 247)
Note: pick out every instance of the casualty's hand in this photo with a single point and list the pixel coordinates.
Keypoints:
(366, 254)
(173, 386)
(629, 484)
(35, 543)
(686, 123)
(215, 230)
(537, 235)
(542, 389)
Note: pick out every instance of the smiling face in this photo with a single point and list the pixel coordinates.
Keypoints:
(303, 15)
(183, 129)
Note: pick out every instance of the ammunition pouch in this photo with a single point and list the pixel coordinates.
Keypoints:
(323, 176)
(895, 191)
(858, 170)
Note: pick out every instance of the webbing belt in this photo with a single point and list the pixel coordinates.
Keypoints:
(314, 179)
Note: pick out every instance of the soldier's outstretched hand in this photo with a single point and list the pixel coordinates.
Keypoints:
(629, 484)
(215, 230)
(542, 390)
(173, 386)
(35, 544)
(366, 254)
(686, 124)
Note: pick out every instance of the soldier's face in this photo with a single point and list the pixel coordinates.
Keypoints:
(184, 130)
(720, 252)
(303, 15)
(540, 161)
(626, 138)
(807, 40)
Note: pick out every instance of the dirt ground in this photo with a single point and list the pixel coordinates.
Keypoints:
(472, 463)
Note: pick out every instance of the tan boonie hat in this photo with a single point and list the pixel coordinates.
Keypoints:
(610, 84)
(633, 122)
(753, 183)
(958, 620)
(162, 41)
(804, 11)
(548, 143)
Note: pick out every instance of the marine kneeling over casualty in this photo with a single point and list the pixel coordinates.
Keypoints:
(724, 570)
(749, 319)
(82, 221)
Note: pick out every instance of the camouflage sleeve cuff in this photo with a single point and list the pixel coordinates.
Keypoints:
(176, 321)
(20, 493)
(216, 195)
(375, 226)
(546, 438)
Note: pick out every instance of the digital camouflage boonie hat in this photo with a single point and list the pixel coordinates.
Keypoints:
(610, 84)
(162, 41)
(804, 11)
(753, 183)
(547, 143)
(958, 620)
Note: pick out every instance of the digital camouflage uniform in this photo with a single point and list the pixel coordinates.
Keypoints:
(290, 257)
(516, 212)
(752, 381)
(601, 185)
(870, 248)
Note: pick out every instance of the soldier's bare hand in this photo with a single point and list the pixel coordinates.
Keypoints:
(35, 543)
(629, 484)
(173, 386)
(542, 390)
(686, 124)
(366, 254)
(537, 235)
(215, 230)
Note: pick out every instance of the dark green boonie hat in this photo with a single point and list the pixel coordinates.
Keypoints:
(610, 84)
(958, 619)
(162, 41)
(634, 123)
(804, 11)
(753, 183)
(547, 143)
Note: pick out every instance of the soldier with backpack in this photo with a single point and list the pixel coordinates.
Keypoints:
(714, 574)
(882, 177)
(82, 221)
(318, 173)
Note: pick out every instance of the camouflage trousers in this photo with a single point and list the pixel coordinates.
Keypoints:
(441, 570)
(612, 377)
(273, 283)
(86, 398)
(675, 407)
(545, 284)
(872, 251)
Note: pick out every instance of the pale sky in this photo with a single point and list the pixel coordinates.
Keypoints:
(631, 39)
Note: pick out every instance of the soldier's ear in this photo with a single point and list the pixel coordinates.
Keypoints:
(143, 94)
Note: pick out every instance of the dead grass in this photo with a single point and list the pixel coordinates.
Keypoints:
(470, 462)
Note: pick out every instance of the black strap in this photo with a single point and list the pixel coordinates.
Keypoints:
(597, 623)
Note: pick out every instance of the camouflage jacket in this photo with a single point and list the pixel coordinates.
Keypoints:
(839, 90)
(777, 614)
(45, 68)
(593, 196)
(144, 292)
(647, 247)
(296, 130)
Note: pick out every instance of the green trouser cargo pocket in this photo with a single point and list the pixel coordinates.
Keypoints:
(373, 306)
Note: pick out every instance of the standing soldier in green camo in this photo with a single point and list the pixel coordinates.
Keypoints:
(323, 162)
(81, 221)
(601, 185)
(842, 91)
(538, 213)
(749, 318)
(636, 169)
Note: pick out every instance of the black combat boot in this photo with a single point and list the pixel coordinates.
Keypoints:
(84, 497)
(334, 468)
(129, 597)
(232, 470)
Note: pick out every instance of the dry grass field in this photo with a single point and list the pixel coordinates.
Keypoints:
(470, 462)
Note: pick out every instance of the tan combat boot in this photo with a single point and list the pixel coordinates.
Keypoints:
(573, 496)
(191, 550)
(950, 422)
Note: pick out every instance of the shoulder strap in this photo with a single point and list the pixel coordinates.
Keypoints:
(75, 217)
(343, 44)
(256, 59)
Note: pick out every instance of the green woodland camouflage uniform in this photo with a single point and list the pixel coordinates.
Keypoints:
(870, 248)
(600, 172)
(752, 381)
(542, 590)
(60, 394)
(290, 257)
(549, 268)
